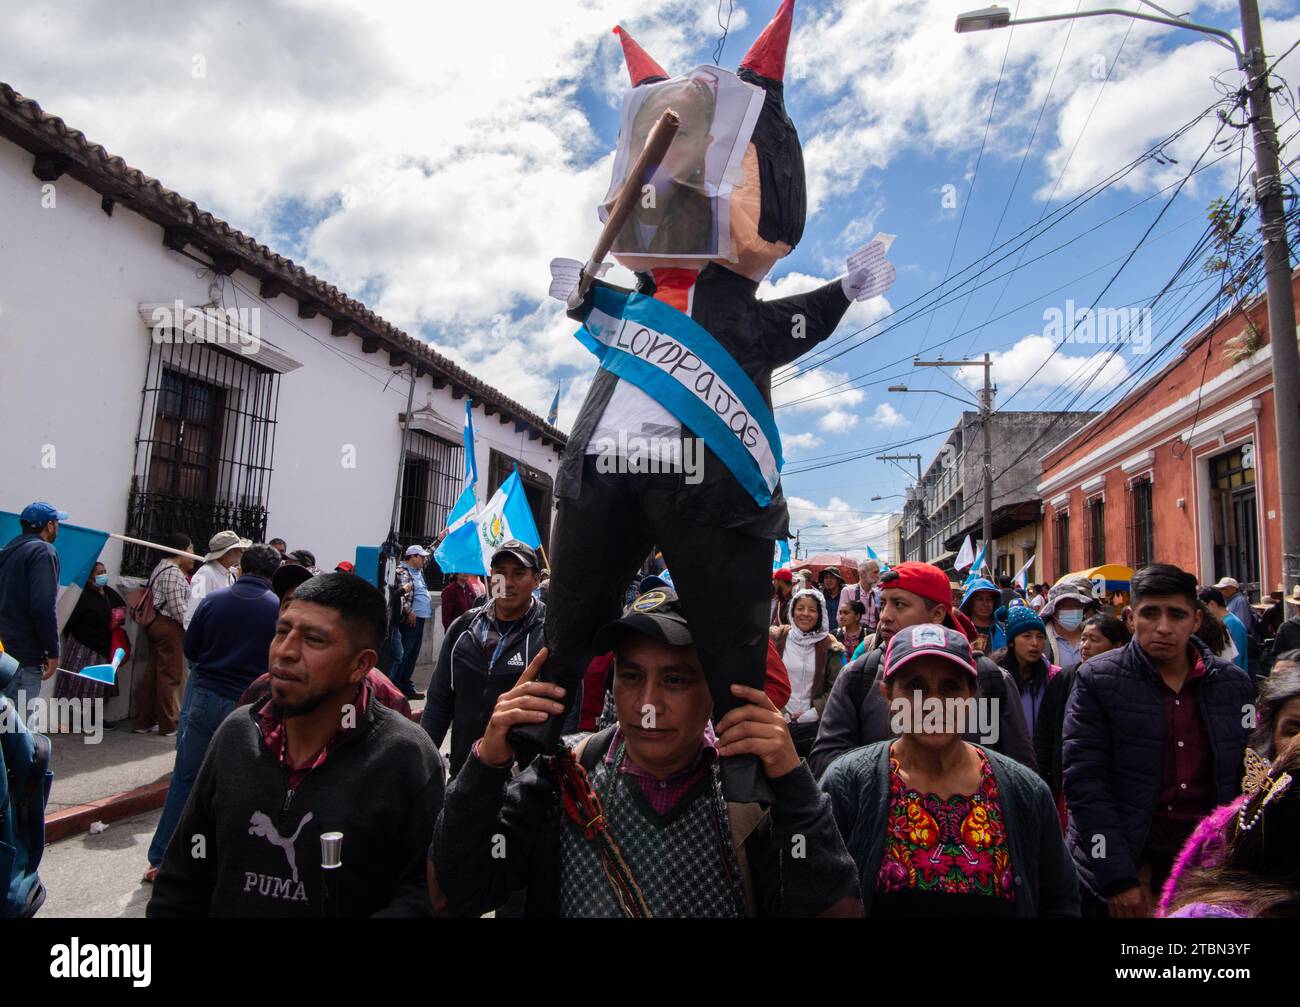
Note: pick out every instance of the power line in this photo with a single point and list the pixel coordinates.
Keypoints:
(822, 355)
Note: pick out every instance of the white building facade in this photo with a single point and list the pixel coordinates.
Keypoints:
(283, 420)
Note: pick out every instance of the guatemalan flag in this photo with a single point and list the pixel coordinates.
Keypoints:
(871, 554)
(781, 555)
(976, 567)
(453, 552)
(1022, 578)
(476, 535)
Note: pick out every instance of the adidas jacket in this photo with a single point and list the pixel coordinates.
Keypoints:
(475, 666)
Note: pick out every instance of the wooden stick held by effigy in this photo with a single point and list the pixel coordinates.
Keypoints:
(656, 146)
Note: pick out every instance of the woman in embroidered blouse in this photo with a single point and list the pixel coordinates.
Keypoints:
(940, 827)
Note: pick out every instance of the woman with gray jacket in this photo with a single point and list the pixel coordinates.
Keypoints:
(937, 826)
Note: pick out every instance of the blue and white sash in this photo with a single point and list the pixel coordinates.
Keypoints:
(675, 361)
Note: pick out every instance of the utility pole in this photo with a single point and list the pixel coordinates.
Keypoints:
(986, 423)
(923, 519)
(1281, 306)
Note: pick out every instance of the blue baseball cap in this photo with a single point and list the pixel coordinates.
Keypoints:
(41, 513)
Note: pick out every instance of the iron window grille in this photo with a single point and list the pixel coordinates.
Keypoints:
(205, 448)
(1141, 524)
(1096, 528)
(432, 472)
(1061, 543)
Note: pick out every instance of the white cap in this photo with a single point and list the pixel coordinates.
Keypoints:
(415, 550)
(1228, 582)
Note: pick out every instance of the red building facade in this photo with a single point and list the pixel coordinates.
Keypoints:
(1181, 470)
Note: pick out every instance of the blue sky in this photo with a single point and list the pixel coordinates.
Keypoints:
(432, 160)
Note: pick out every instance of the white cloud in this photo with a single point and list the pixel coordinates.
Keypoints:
(887, 416)
(1074, 365)
(794, 395)
(799, 442)
(898, 79)
(848, 527)
(837, 421)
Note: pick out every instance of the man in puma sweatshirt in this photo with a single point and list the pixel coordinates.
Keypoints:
(320, 755)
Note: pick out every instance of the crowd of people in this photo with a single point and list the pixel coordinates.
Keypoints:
(932, 749)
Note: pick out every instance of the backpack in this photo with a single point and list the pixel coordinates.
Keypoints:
(142, 610)
(24, 791)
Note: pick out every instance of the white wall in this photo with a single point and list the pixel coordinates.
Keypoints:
(73, 353)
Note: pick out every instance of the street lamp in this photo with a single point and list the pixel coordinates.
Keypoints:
(933, 391)
(889, 496)
(983, 20)
(1269, 195)
(1000, 17)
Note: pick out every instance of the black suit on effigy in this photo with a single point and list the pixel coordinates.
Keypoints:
(716, 539)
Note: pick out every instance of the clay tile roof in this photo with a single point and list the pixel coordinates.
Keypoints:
(66, 150)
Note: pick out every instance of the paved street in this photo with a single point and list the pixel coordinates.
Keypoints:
(99, 876)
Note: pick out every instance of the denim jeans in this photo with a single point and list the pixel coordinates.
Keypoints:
(412, 637)
(201, 714)
(27, 680)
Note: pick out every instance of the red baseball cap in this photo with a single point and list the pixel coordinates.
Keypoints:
(923, 579)
(783, 574)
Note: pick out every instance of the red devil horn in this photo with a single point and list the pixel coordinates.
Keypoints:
(766, 57)
(640, 67)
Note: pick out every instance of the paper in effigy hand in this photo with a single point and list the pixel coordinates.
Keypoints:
(565, 274)
(870, 274)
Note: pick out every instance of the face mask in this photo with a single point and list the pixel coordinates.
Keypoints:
(101, 580)
(1070, 620)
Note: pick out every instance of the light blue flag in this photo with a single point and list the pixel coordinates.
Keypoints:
(78, 548)
(105, 674)
(460, 551)
(468, 548)
(781, 555)
(471, 460)
(1022, 578)
(976, 566)
(871, 553)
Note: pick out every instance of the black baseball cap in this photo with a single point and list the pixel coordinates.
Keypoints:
(657, 614)
(526, 554)
(287, 577)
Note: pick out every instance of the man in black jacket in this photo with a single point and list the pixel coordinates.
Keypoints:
(667, 844)
(1153, 741)
(485, 651)
(856, 713)
(321, 755)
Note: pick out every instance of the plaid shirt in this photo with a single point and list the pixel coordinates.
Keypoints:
(171, 590)
(277, 738)
(663, 795)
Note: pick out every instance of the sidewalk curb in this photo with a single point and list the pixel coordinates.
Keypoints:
(71, 821)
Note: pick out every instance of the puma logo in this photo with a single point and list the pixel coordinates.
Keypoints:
(260, 825)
